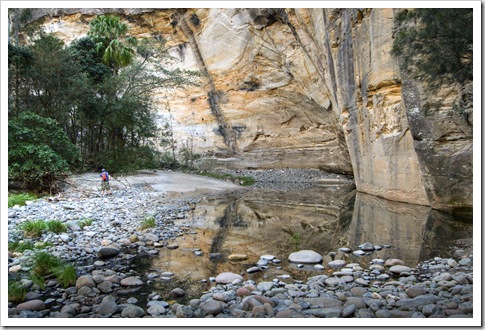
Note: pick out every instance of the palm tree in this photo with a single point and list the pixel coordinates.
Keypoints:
(109, 34)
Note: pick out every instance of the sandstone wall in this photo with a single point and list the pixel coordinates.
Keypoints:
(314, 88)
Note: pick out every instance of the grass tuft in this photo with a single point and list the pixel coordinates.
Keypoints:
(66, 275)
(16, 292)
(20, 199)
(85, 222)
(148, 222)
(38, 280)
(33, 228)
(56, 226)
(45, 264)
(20, 246)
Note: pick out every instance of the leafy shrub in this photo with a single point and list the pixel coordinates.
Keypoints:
(33, 228)
(20, 199)
(38, 150)
(56, 226)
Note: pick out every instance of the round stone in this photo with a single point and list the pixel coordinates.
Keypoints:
(362, 282)
(105, 287)
(394, 262)
(15, 269)
(107, 306)
(333, 281)
(132, 311)
(212, 307)
(86, 280)
(377, 262)
(108, 252)
(227, 277)
(367, 246)
(237, 257)
(345, 250)
(184, 311)
(268, 257)
(252, 270)
(358, 253)
(400, 269)
(305, 257)
(347, 278)
(177, 293)
(131, 281)
(32, 305)
(337, 264)
(151, 237)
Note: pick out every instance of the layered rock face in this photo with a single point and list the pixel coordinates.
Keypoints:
(305, 88)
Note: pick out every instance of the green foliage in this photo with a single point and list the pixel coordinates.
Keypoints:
(16, 292)
(87, 105)
(188, 156)
(296, 239)
(20, 199)
(33, 228)
(66, 275)
(20, 246)
(84, 55)
(167, 161)
(110, 37)
(148, 222)
(45, 264)
(435, 44)
(38, 280)
(56, 226)
(85, 222)
(38, 150)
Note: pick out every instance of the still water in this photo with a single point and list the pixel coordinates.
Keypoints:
(267, 222)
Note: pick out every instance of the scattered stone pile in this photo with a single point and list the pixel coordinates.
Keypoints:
(289, 178)
(107, 283)
(116, 224)
(438, 288)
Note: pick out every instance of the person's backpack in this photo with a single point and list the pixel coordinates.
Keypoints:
(104, 176)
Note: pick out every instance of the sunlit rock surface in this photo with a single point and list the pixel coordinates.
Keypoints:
(307, 88)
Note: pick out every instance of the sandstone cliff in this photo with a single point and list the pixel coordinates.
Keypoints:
(314, 88)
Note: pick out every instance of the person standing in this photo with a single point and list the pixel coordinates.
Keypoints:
(105, 182)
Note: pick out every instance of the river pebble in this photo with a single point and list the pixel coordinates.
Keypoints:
(306, 257)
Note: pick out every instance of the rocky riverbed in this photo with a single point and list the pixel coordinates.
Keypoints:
(110, 285)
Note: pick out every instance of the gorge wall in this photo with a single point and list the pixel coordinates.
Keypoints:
(305, 88)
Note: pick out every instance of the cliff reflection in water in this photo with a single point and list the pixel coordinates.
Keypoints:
(324, 219)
